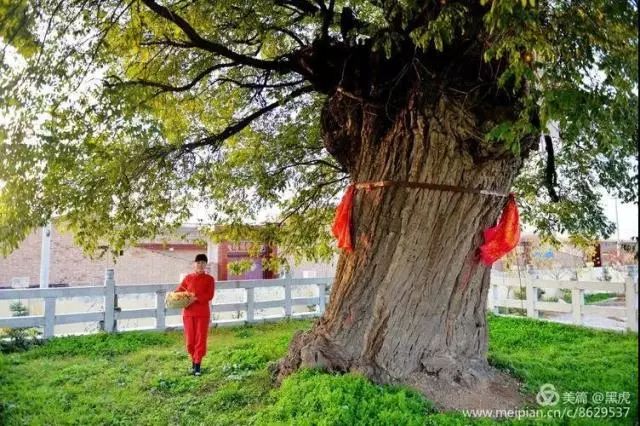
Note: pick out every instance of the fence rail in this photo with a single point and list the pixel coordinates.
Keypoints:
(112, 313)
(577, 307)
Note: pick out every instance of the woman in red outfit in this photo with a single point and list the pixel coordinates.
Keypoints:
(197, 316)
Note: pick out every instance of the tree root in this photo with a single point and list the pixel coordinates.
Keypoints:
(450, 385)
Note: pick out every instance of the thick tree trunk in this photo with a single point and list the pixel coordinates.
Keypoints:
(408, 304)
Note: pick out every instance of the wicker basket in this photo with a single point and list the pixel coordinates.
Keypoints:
(178, 299)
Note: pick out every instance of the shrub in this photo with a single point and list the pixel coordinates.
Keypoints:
(520, 293)
(18, 339)
(512, 311)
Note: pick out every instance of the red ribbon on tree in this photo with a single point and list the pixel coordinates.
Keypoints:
(341, 228)
(502, 238)
(498, 240)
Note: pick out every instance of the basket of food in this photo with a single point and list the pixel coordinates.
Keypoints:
(178, 299)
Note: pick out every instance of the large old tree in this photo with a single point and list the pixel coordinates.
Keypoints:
(118, 116)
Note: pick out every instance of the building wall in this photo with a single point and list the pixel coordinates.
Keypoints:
(145, 266)
(626, 254)
(155, 263)
(308, 269)
(233, 252)
(23, 262)
(68, 264)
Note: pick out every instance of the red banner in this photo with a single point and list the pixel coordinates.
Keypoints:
(503, 237)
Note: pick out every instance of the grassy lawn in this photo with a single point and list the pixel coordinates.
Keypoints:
(597, 297)
(140, 378)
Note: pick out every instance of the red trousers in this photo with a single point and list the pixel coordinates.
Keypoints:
(196, 331)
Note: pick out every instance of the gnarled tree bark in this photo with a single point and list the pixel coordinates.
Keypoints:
(408, 304)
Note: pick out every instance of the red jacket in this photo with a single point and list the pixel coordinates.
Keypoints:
(203, 286)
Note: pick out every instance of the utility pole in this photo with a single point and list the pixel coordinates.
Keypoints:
(45, 256)
(212, 256)
(617, 228)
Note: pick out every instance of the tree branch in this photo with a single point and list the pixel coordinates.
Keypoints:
(290, 34)
(169, 88)
(210, 46)
(304, 205)
(551, 177)
(307, 163)
(259, 85)
(167, 42)
(237, 127)
(307, 8)
(327, 19)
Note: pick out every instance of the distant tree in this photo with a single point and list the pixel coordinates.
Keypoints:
(18, 309)
(20, 338)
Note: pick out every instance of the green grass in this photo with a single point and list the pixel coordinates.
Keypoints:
(597, 297)
(588, 298)
(140, 378)
(573, 359)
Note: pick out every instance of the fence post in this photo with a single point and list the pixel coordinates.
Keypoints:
(250, 304)
(632, 272)
(321, 297)
(109, 301)
(160, 310)
(493, 299)
(531, 295)
(49, 316)
(630, 301)
(577, 297)
(287, 298)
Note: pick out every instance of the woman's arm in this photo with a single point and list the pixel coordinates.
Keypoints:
(209, 291)
(182, 286)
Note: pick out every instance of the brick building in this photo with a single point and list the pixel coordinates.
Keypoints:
(159, 261)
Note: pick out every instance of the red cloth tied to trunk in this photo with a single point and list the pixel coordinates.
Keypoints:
(341, 228)
(503, 237)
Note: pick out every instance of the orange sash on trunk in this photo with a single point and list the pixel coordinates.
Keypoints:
(502, 238)
(498, 240)
(341, 228)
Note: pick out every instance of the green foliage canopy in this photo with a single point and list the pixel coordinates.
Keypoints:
(118, 116)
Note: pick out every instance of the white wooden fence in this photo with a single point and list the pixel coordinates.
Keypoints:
(577, 307)
(112, 313)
